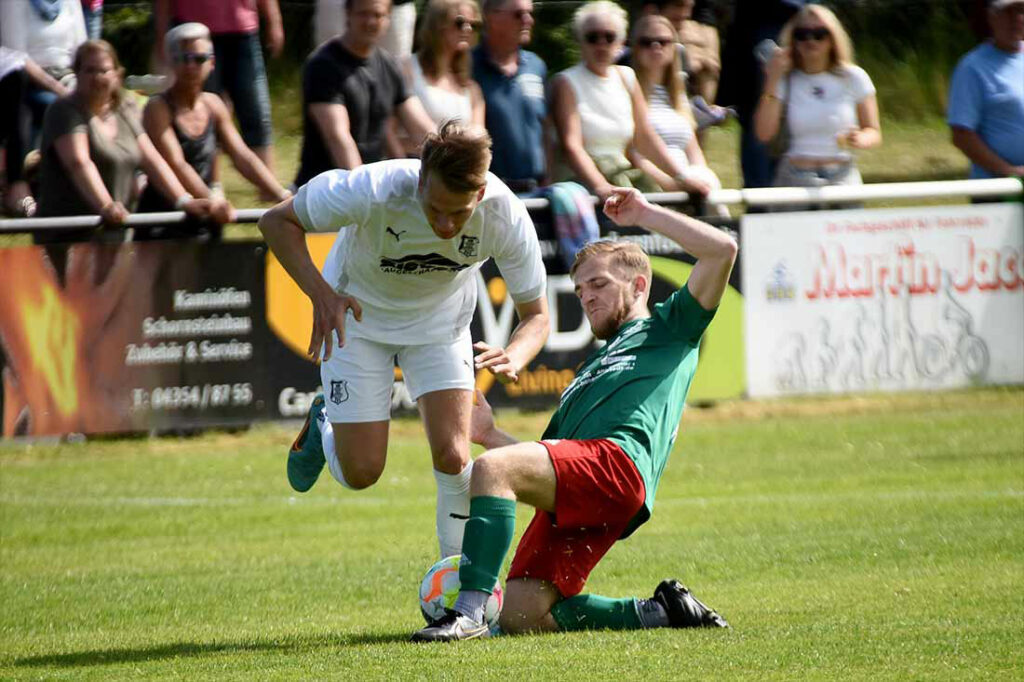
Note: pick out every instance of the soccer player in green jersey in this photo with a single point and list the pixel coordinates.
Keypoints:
(593, 477)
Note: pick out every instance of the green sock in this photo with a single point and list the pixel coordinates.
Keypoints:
(592, 612)
(489, 531)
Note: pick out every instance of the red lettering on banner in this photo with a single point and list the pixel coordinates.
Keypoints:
(1009, 270)
(839, 274)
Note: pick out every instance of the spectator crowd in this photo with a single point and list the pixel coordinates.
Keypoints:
(631, 113)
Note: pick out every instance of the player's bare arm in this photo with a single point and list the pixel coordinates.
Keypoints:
(287, 239)
(714, 250)
(526, 341)
(482, 429)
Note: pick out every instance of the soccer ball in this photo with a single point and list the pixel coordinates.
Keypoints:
(440, 588)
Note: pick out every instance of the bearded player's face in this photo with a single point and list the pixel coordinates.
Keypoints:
(606, 294)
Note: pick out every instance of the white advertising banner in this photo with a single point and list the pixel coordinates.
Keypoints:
(884, 299)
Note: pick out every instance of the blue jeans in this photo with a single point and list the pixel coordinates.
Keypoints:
(241, 73)
(38, 101)
(93, 22)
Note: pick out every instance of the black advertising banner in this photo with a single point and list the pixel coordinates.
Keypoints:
(114, 338)
(100, 338)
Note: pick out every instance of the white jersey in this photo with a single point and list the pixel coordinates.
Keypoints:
(413, 286)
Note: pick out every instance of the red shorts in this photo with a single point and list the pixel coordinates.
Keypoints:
(598, 491)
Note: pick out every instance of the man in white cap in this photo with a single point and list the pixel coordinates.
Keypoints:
(986, 96)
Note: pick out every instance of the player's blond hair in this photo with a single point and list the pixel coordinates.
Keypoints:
(625, 255)
(459, 155)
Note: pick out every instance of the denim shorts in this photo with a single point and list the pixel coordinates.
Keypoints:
(240, 73)
(842, 173)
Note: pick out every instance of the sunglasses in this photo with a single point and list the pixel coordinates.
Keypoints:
(519, 14)
(462, 23)
(653, 42)
(805, 34)
(199, 58)
(598, 37)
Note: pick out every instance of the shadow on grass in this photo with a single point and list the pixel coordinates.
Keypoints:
(92, 657)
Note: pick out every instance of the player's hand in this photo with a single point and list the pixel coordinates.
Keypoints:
(329, 317)
(626, 206)
(497, 361)
(481, 420)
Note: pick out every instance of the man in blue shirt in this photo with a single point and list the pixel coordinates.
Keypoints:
(512, 80)
(986, 97)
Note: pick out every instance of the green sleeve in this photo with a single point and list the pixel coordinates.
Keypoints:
(682, 314)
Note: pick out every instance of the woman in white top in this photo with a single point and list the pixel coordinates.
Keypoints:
(658, 68)
(599, 111)
(830, 104)
(49, 32)
(439, 72)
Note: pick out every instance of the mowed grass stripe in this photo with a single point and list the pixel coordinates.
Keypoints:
(844, 539)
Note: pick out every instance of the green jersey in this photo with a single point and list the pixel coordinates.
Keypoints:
(633, 390)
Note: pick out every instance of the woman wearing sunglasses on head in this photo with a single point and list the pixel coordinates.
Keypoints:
(658, 67)
(439, 71)
(93, 146)
(600, 112)
(187, 125)
(826, 103)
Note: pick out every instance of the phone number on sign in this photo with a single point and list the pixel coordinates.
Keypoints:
(192, 397)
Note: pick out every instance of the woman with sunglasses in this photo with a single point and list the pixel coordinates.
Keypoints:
(658, 66)
(93, 146)
(830, 105)
(187, 125)
(439, 71)
(600, 112)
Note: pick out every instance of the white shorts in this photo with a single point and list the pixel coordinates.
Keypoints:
(358, 379)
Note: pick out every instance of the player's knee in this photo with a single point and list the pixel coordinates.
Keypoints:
(361, 474)
(360, 467)
(521, 619)
(489, 470)
(451, 458)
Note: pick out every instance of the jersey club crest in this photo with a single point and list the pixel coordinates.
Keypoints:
(468, 246)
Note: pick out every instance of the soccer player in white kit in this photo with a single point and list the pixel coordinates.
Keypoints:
(399, 282)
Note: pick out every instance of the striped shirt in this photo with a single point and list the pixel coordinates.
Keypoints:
(672, 127)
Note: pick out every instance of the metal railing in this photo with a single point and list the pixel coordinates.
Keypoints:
(759, 197)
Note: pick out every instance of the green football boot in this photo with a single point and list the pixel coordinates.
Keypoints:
(306, 457)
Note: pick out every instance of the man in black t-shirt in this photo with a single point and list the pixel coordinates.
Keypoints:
(349, 89)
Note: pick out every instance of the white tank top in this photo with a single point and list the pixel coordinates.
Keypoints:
(440, 104)
(605, 107)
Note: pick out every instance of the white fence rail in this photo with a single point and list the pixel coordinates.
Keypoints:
(759, 197)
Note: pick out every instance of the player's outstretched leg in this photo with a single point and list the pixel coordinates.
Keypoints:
(306, 457)
(671, 606)
(683, 609)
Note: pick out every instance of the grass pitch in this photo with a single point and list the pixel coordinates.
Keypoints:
(856, 538)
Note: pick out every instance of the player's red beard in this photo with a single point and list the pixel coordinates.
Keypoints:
(609, 326)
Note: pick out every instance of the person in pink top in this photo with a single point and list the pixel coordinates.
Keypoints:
(239, 72)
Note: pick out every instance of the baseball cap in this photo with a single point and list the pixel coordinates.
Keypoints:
(1002, 4)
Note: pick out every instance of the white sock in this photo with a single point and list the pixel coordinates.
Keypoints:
(331, 453)
(472, 604)
(452, 509)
